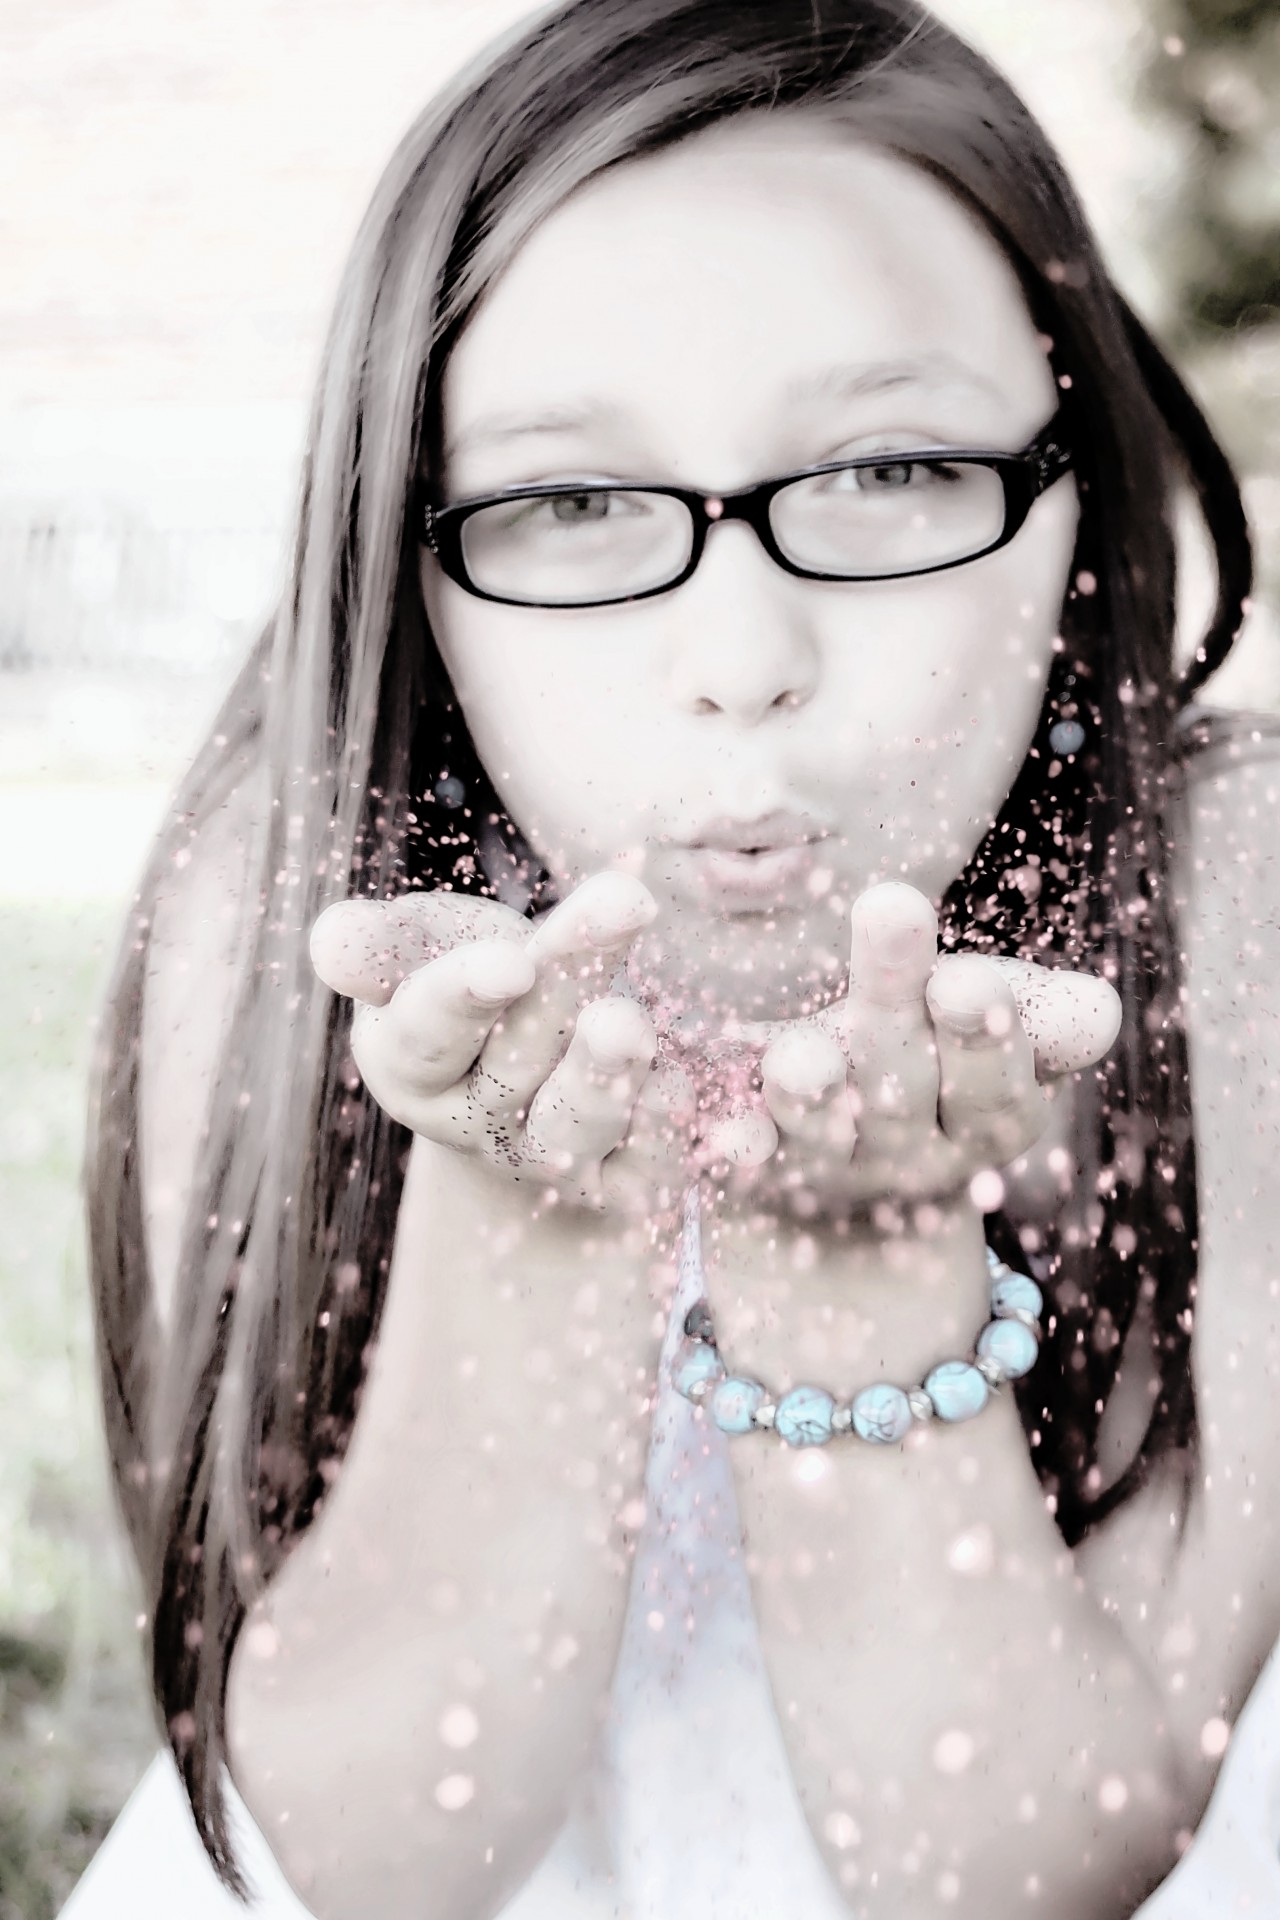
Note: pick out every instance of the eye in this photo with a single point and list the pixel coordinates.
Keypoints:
(898, 474)
(570, 509)
(895, 476)
(592, 507)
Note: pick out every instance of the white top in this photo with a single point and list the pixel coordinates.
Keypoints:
(690, 1684)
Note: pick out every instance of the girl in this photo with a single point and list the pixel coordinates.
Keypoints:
(734, 562)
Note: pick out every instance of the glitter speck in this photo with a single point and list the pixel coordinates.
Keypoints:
(972, 1551)
(455, 1791)
(841, 1830)
(1214, 1735)
(986, 1190)
(812, 1466)
(458, 1726)
(1113, 1794)
(953, 1751)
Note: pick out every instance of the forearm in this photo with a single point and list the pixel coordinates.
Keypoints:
(466, 1584)
(938, 1667)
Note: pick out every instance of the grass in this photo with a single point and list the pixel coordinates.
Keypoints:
(75, 1723)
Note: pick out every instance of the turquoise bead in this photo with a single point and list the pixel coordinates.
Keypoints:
(995, 1265)
(882, 1414)
(1017, 1290)
(1011, 1345)
(804, 1417)
(697, 1369)
(957, 1390)
(733, 1404)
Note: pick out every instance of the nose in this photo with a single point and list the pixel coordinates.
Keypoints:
(742, 643)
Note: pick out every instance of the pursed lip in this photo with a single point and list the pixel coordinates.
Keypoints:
(748, 866)
(770, 833)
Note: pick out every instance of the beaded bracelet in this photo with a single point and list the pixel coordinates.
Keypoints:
(883, 1414)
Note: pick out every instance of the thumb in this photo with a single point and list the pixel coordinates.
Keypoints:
(363, 949)
(1071, 1019)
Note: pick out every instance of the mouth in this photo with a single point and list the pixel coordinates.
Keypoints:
(768, 833)
(749, 866)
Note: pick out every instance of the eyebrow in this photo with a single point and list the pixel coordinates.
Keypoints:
(933, 372)
(496, 430)
(936, 372)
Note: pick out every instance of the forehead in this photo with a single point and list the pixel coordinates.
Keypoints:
(697, 299)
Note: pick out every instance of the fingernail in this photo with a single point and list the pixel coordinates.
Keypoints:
(611, 1059)
(604, 937)
(966, 1021)
(808, 1086)
(893, 945)
(494, 980)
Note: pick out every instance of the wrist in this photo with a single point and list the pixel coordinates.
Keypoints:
(503, 1329)
(847, 1309)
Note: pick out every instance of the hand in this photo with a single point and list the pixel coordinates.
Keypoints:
(933, 1070)
(503, 1041)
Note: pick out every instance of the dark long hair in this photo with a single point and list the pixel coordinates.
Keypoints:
(226, 1431)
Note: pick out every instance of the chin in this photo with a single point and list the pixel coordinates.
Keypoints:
(732, 971)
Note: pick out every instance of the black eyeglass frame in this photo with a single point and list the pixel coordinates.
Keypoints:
(1024, 477)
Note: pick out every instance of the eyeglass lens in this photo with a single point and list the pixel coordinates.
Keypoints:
(859, 522)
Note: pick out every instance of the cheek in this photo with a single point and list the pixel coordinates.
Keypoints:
(938, 713)
(553, 722)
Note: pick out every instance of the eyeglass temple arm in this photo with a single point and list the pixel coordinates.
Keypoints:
(1050, 455)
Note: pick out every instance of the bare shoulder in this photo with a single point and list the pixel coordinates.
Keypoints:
(1204, 1603)
(201, 928)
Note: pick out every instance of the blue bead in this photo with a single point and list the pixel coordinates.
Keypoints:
(882, 1414)
(733, 1403)
(1067, 736)
(995, 1265)
(696, 1370)
(1014, 1291)
(804, 1417)
(957, 1390)
(1013, 1346)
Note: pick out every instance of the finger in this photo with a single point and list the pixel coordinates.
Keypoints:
(893, 945)
(365, 948)
(1072, 1019)
(988, 1097)
(606, 912)
(583, 1110)
(807, 1092)
(576, 950)
(649, 1173)
(745, 1139)
(893, 949)
(927, 1167)
(436, 1023)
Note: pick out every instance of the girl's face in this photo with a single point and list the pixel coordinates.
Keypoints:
(764, 297)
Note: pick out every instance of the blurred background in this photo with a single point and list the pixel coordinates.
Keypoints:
(181, 179)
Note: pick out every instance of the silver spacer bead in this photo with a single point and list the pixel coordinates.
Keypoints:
(920, 1404)
(1023, 1315)
(842, 1420)
(765, 1413)
(991, 1370)
(700, 1389)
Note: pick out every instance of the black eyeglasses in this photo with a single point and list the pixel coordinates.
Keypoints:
(882, 516)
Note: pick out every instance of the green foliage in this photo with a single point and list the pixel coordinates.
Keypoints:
(75, 1722)
(1217, 74)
